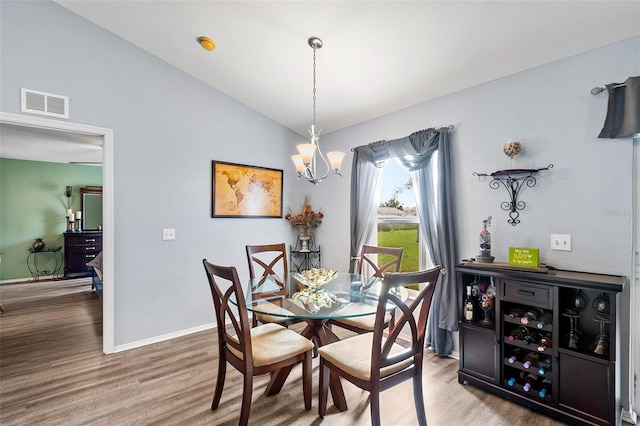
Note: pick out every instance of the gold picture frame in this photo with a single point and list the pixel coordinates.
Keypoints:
(239, 190)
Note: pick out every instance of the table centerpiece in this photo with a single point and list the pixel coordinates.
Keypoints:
(312, 292)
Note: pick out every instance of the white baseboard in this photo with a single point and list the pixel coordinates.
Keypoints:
(162, 338)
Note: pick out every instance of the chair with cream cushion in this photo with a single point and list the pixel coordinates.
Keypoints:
(374, 361)
(267, 263)
(252, 351)
(368, 268)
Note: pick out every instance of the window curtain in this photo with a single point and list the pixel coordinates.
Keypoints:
(432, 177)
(623, 110)
(365, 186)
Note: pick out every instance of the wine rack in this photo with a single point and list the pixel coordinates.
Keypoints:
(531, 347)
(570, 329)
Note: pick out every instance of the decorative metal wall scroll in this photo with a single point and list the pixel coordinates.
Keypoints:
(514, 181)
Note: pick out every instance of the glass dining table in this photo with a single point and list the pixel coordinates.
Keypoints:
(345, 296)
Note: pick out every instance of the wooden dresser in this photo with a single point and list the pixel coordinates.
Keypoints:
(79, 248)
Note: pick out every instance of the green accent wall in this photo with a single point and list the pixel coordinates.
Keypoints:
(33, 205)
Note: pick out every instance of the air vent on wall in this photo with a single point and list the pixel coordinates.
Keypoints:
(44, 103)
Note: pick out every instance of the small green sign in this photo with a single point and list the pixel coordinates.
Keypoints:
(522, 256)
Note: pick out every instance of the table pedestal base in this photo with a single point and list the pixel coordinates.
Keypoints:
(319, 331)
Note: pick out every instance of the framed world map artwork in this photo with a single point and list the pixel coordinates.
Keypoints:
(238, 190)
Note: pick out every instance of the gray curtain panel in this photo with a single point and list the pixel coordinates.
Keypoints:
(365, 187)
(623, 111)
(426, 155)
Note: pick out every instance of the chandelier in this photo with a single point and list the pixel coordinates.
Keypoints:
(305, 160)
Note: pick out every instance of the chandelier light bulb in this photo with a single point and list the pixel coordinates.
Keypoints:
(335, 158)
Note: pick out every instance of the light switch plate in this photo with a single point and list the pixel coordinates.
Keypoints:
(561, 242)
(168, 234)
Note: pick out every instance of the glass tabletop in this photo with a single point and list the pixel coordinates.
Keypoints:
(345, 296)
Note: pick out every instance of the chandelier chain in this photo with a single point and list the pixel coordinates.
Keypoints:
(314, 87)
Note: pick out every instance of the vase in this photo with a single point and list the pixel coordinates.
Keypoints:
(305, 244)
(38, 245)
(304, 238)
(304, 232)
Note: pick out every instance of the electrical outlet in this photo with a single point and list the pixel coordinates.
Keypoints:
(561, 242)
(168, 234)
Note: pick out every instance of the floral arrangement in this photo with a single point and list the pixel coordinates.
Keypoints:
(316, 277)
(307, 218)
(313, 293)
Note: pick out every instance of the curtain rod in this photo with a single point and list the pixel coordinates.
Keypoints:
(449, 127)
(597, 90)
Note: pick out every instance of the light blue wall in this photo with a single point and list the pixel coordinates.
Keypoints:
(550, 109)
(167, 127)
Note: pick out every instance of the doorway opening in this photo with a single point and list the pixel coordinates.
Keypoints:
(30, 122)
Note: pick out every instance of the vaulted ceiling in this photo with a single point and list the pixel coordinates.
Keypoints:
(378, 57)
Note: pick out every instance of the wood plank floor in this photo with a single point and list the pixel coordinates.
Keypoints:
(52, 371)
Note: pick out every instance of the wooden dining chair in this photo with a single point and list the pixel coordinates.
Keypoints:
(368, 268)
(252, 351)
(268, 263)
(375, 362)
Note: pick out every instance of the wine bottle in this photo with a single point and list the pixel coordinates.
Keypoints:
(544, 365)
(519, 333)
(532, 337)
(516, 312)
(469, 306)
(530, 381)
(530, 359)
(544, 342)
(545, 387)
(513, 380)
(531, 314)
(544, 319)
(516, 355)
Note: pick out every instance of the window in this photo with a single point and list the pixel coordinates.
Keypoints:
(398, 224)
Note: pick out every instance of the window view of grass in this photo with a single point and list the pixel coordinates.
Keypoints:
(400, 235)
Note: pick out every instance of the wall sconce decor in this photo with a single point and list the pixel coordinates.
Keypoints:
(514, 181)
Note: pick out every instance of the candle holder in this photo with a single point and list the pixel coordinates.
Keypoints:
(69, 225)
(78, 225)
(67, 192)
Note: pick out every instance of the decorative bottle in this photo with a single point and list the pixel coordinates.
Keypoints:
(532, 314)
(519, 333)
(516, 354)
(516, 312)
(544, 365)
(485, 241)
(544, 342)
(469, 306)
(545, 319)
(513, 380)
(530, 381)
(546, 387)
(530, 359)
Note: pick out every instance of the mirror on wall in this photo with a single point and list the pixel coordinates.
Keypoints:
(91, 197)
